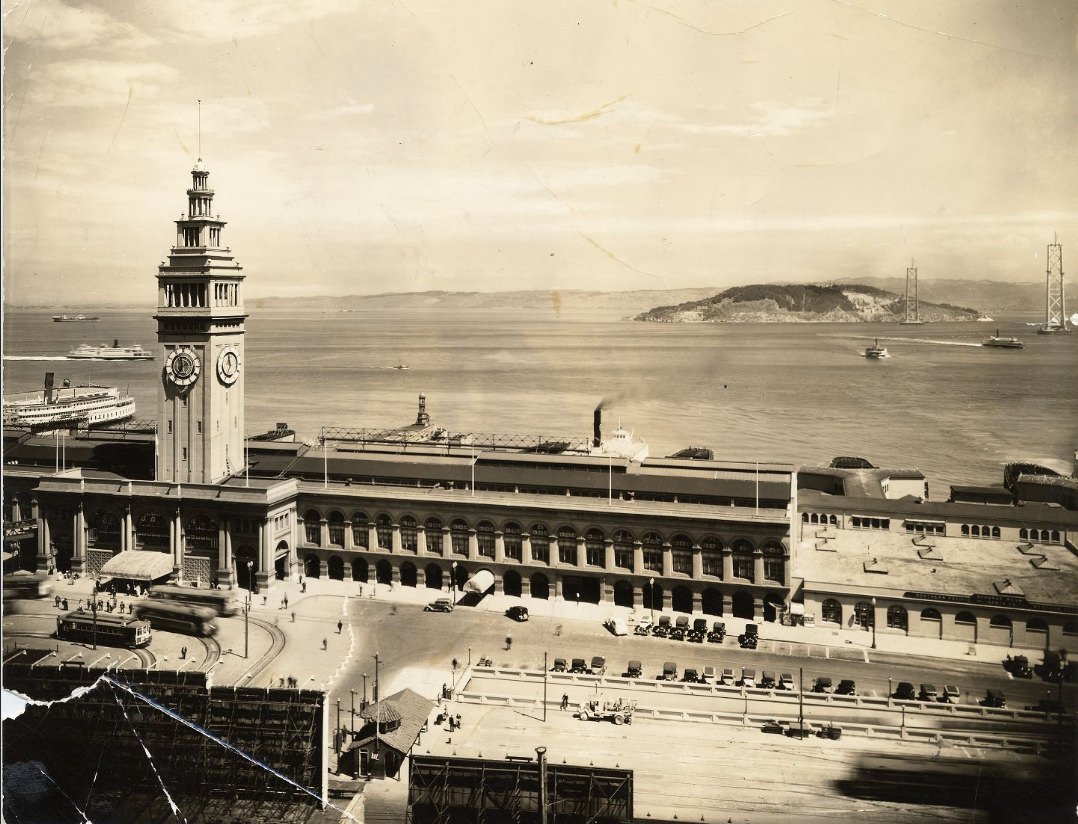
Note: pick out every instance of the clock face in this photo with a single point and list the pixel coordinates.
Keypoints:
(182, 367)
(228, 366)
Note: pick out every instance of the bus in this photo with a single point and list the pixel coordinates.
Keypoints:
(178, 617)
(109, 629)
(24, 584)
(221, 601)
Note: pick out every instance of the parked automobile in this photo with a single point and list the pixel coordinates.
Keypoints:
(767, 680)
(559, 665)
(786, 681)
(439, 605)
(682, 623)
(692, 676)
(749, 638)
(994, 698)
(708, 674)
(1052, 668)
(598, 665)
(634, 670)
(822, 684)
(748, 678)
(700, 625)
(928, 692)
(951, 694)
(1018, 666)
(677, 634)
(718, 632)
(695, 636)
(616, 626)
(643, 625)
(517, 613)
(905, 692)
(727, 677)
(847, 686)
(662, 629)
(578, 666)
(774, 726)
(669, 672)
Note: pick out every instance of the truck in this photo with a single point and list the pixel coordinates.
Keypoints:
(619, 711)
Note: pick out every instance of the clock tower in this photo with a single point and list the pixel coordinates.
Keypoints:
(200, 319)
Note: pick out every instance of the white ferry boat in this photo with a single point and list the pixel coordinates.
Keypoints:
(996, 342)
(68, 406)
(73, 318)
(114, 352)
(876, 352)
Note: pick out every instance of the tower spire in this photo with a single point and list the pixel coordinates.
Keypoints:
(200, 128)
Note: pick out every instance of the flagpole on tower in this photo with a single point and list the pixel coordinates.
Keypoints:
(200, 127)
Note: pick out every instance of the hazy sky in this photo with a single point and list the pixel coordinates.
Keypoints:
(400, 146)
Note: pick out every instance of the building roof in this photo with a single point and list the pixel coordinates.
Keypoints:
(413, 710)
(862, 482)
(878, 563)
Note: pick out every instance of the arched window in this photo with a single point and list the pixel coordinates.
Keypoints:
(361, 532)
(653, 551)
(384, 528)
(152, 530)
(833, 520)
(931, 614)
(965, 618)
(567, 545)
(484, 535)
(804, 517)
(512, 539)
(336, 529)
(1055, 536)
(623, 549)
(815, 518)
(433, 531)
(774, 562)
(995, 532)
(104, 529)
(681, 554)
(1070, 628)
(458, 536)
(1000, 622)
(965, 530)
(1023, 534)
(540, 541)
(864, 614)
(831, 611)
(409, 534)
(897, 617)
(200, 533)
(312, 527)
(595, 548)
(1036, 625)
(975, 531)
(711, 556)
(743, 564)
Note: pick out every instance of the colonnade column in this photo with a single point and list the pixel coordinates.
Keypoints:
(581, 552)
(80, 537)
(447, 543)
(265, 552)
(395, 539)
(525, 548)
(697, 563)
(372, 537)
(473, 545)
(349, 542)
(421, 540)
(608, 555)
(224, 554)
(758, 566)
(323, 531)
(499, 552)
(638, 558)
(727, 565)
(177, 545)
(129, 521)
(668, 560)
(44, 542)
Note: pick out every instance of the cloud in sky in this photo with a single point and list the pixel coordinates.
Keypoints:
(505, 144)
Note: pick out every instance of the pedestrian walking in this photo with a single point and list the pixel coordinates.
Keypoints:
(57, 601)
(564, 700)
(63, 603)
(293, 617)
(80, 605)
(285, 601)
(183, 653)
(325, 644)
(265, 599)
(508, 641)
(340, 627)
(303, 586)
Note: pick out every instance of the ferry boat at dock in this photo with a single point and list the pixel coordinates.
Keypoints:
(876, 352)
(68, 406)
(73, 318)
(114, 352)
(996, 342)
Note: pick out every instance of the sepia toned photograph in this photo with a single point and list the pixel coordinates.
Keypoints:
(540, 413)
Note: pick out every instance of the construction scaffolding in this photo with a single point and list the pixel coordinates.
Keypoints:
(522, 790)
(136, 742)
(913, 311)
(1055, 299)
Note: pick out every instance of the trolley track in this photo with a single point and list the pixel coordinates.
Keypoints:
(213, 651)
(277, 644)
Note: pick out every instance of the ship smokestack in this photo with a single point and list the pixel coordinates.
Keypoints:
(422, 419)
(597, 436)
(50, 381)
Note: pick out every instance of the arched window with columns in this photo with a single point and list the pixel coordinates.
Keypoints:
(567, 545)
(653, 551)
(540, 541)
(595, 547)
(774, 562)
(681, 554)
(484, 533)
(458, 536)
(433, 529)
(711, 551)
(336, 529)
(361, 530)
(409, 533)
(312, 527)
(384, 529)
(623, 549)
(512, 538)
(743, 559)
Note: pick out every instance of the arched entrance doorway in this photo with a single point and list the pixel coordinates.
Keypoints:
(384, 572)
(360, 570)
(580, 589)
(312, 566)
(434, 576)
(772, 603)
(280, 568)
(511, 583)
(540, 586)
(460, 576)
(245, 574)
(335, 568)
(681, 599)
(711, 603)
(743, 606)
(623, 594)
(408, 574)
(653, 596)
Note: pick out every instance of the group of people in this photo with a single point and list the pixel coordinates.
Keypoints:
(101, 605)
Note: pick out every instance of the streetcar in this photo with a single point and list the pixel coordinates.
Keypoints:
(178, 617)
(24, 586)
(108, 629)
(221, 601)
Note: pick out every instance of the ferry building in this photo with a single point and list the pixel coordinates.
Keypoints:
(596, 521)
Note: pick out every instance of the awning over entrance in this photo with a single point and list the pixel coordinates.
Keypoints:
(797, 609)
(480, 582)
(138, 565)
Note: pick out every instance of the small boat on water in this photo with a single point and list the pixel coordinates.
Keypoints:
(114, 352)
(67, 406)
(875, 352)
(996, 342)
(400, 366)
(73, 318)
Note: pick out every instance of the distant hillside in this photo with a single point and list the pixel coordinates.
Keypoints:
(990, 296)
(802, 303)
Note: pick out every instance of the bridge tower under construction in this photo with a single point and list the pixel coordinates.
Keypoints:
(1055, 304)
(913, 315)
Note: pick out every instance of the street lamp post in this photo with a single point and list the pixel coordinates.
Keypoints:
(888, 690)
(364, 704)
(353, 694)
(453, 581)
(651, 597)
(873, 619)
(246, 629)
